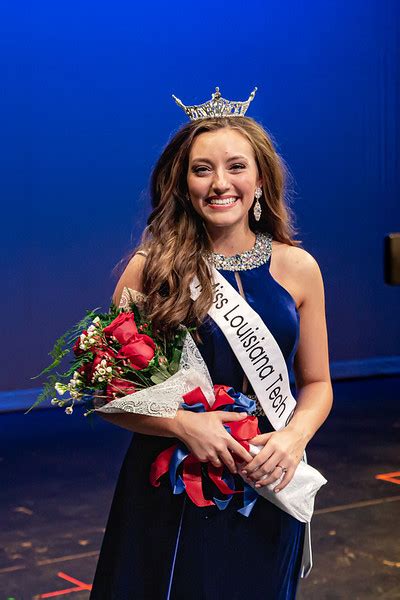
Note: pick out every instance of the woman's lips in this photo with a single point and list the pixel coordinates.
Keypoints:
(221, 202)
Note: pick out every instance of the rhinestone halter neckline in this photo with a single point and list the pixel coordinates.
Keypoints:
(257, 256)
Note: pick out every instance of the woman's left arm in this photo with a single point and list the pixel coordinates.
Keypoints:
(314, 398)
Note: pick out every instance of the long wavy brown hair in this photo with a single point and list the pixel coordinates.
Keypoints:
(176, 239)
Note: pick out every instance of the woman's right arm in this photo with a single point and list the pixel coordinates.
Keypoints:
(203, 433)
(131, 278)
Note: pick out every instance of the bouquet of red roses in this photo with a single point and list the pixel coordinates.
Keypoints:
(115, 354)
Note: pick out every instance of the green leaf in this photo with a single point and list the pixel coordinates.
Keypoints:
(173, 368)
(158, 378)
(58, 354)
(48, 391)
(176, 355)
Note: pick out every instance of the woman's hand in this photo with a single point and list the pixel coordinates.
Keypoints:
(282, 452)
(208, 440)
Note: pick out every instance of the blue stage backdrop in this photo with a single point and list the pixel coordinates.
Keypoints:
(86, 109)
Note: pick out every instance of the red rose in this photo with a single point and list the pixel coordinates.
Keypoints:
(139, 351)
(78, 351)
(100, 354)
(119, 387)
(123, 328)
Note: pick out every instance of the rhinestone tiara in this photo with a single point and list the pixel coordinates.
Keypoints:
(216, 107)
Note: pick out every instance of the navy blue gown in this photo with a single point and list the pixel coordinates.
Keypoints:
(160, 546)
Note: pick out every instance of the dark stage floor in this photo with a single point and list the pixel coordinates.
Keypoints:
(58, 476)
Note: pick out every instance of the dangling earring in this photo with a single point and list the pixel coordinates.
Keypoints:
(257, 206)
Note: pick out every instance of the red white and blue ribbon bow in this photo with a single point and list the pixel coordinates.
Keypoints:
(187, 473)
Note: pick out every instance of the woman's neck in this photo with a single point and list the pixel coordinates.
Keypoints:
(230, 241)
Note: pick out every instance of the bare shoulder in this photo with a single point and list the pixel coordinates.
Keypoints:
(298, 270)
(296, 259)
(131, 278)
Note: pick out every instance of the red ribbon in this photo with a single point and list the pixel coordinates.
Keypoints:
(242, 431)
(161, 465)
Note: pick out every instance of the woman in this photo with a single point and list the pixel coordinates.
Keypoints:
(207, 191)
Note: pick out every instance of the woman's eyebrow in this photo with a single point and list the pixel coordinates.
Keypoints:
(200, 159)
(236, 157)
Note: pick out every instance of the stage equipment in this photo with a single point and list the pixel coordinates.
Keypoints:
(392, 259)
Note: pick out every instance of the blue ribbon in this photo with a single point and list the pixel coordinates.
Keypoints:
(249, 499)
(176, 480)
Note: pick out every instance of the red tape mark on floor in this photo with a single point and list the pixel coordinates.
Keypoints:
(391, 477)
(80, 587)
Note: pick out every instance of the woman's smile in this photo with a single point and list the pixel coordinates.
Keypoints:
(222, 202)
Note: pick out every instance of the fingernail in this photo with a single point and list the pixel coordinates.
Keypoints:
(258, 485)
(244, 472)
(277, 490)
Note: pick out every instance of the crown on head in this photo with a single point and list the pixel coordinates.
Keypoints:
(216, 107)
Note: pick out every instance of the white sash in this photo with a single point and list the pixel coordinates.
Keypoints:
(261, 359)
(255, 347)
